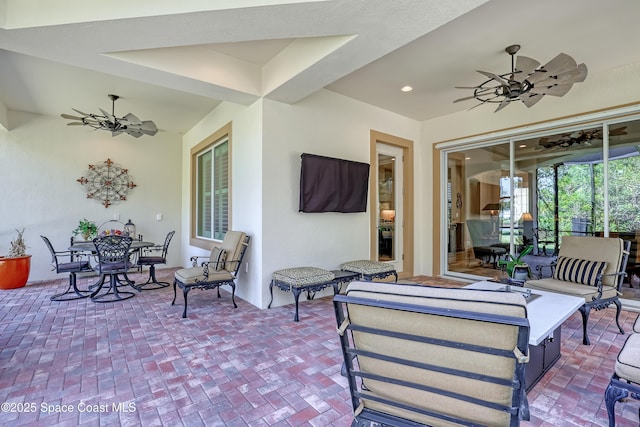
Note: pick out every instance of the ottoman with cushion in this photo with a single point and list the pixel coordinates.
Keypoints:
(309, 279)
(369, 270)
(625, 380)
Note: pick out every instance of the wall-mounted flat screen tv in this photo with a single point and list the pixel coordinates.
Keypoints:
(328, 184)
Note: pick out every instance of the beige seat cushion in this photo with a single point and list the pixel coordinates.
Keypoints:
(628, 361)
(571, 288)
(189, 276)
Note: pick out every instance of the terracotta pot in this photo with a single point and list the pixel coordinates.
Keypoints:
(14, 272)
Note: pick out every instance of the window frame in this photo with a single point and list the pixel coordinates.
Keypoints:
(220, 136)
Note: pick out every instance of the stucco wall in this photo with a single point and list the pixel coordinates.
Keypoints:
(268, 138)
(40, 161)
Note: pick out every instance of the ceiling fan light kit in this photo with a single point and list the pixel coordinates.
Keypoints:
(527, 81)
(128, 124)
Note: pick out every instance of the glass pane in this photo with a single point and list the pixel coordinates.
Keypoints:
(565, 187)
(221, 190)
(204, 205)
(478, 209)
(624, 196)
(387, 208)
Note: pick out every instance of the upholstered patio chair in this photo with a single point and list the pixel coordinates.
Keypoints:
(424, 356)
(150, 260)
(221, 268)
(592, 268)
(72, 267)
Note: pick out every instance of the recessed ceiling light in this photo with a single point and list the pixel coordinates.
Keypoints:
(406, 88)
(523, 145)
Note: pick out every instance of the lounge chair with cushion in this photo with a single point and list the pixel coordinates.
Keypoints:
(220, 269)
(592, 268)
(418, 355)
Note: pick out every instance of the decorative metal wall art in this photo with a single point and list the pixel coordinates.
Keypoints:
(107, 183)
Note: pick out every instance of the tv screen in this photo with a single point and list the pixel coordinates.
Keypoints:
(328, 184)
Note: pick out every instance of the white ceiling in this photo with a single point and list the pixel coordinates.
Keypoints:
(173, 62)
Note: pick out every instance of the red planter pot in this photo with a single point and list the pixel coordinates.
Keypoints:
(14, 272)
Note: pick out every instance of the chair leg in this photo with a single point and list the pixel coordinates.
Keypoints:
(233, 294)
(113, 290)
(585, 310)
(618, 309)
(98, 286)
(613, 395)
(175, 283)
(152, 280)
(72, 290)
(185, 291)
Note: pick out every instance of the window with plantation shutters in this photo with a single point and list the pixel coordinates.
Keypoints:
(220, 190)
(211, 195)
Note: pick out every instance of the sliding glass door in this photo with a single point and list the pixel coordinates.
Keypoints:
(506, 195)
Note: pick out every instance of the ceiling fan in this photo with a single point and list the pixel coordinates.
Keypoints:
(578, 137)
(527, 81)
(129, 124)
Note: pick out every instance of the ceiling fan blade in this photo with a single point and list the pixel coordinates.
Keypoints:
(503, 104)
(556, 90)
(466, 87)
(70, 117)
(75, 124)
(80, 112)
(493, 76)
(531, 99)
(466, 98)
(538, 75)
(576, 75)
(132, 119)
(560, 63)
(109, 117)
(526, 65)
(149, 128)
(134, 132)
(618, 131)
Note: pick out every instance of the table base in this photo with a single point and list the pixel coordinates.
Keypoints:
(541, 358)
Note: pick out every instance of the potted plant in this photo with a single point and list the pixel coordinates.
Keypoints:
(510, 263)
(15, 267)
(86, 229)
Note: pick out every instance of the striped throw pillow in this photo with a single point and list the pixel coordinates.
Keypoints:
(217, 258)
(578, 270)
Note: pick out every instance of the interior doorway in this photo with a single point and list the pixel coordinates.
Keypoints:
(390, 213)
(391, 201)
